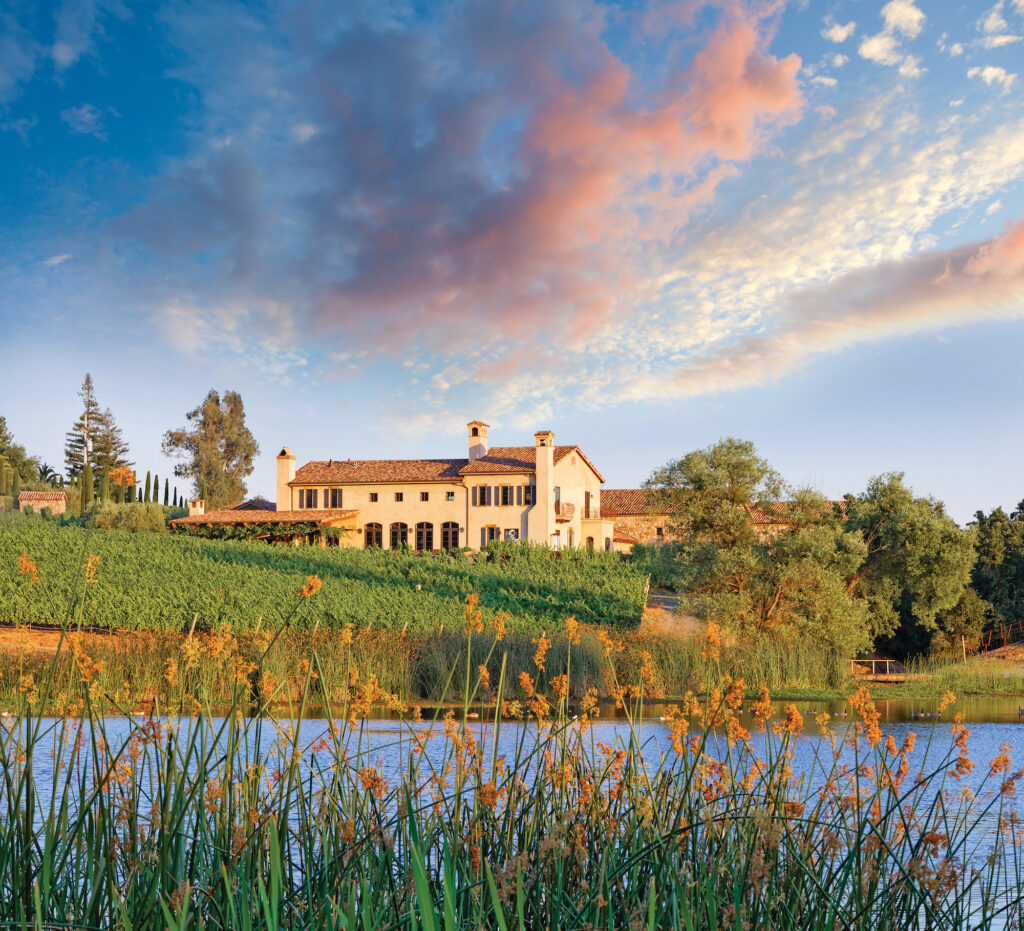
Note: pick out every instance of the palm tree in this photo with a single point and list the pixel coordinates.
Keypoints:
(46, 474)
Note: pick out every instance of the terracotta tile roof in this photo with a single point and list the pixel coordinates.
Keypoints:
(262, 516)
(31, 496)
(777, 512)
(499, 459)
(519, 459)
(621, 537)
(622, 501)
(255, 504)
(383, 471)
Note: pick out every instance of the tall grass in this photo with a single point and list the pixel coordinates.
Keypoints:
(524, 819)
(135, 669)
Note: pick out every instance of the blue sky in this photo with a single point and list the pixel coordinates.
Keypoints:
(643, 225)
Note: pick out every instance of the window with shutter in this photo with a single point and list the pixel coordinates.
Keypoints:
(474, 496)
(519, 494)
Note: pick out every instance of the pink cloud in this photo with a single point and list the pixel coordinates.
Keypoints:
(602, 173)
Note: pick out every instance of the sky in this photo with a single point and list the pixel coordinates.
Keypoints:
(645, 226)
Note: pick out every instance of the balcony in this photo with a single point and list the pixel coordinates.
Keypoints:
(594, 513)
(564, 512)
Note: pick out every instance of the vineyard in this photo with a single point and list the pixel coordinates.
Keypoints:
(161, 583)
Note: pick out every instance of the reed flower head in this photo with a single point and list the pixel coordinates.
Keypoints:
(27, 566)
(90, 566)
(712, 643)
(474, 616)
(543, 645)
(498, 624)
(526, 683)
(572, 630)
(312, 586)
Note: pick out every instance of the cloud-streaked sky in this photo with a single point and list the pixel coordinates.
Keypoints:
(644, 225)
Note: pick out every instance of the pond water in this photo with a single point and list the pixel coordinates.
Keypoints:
(387, 741)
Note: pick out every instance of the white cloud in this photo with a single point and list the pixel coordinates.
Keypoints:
(993, 20)
(910, 67)
(1000, 40)
(902, 21)
(303, 132)
(883, 48)
(994, 207)
(991, 74)
(57, 259)
(836, 33)
(837, 61)
(824, 81)
(86, 120)
(902, 16)
(955, 50)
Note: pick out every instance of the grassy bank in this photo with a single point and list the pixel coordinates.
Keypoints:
(161, 582)
(131, 670)
(235, 822)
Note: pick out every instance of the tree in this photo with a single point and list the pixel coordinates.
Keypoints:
(95, 437)
(87, 489)
(110, 450)
(216, 448)
(105, 487)
(709, 491)
(998, 575)
(918, 560)
(784, 584)
(79, 440)
(149, 485)
(167, 489)
(46, 474)
(14, 455)
(16, 485)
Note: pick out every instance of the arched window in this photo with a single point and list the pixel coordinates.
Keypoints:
(424, 536)
(399, 535)
(374, 535)
(476, 431)
(608, 544)
(449, 535)
(590, 544)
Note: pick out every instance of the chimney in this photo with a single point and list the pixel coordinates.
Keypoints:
(542, 514)
(196, 508)
(285, 474)
(477, 439)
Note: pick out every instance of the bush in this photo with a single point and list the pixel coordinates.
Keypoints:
(134, 518)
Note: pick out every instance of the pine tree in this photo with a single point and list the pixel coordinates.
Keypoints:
(202, 491)
(167, 489)
(87, 489)
(110, 451)
(79, 440)
(149, 486)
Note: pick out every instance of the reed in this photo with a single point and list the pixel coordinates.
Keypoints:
(522, 819)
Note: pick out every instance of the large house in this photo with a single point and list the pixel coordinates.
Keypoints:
(543, 493)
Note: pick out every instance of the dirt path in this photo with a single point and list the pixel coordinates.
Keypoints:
(661, 616)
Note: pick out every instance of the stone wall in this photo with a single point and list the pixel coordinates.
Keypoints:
(644, 527)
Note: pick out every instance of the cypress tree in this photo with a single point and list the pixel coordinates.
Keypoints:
(149, 485)
(105, 487)
(138, 499)
(167, 491)
(156, 489)
(87, 489)
(16, 486)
